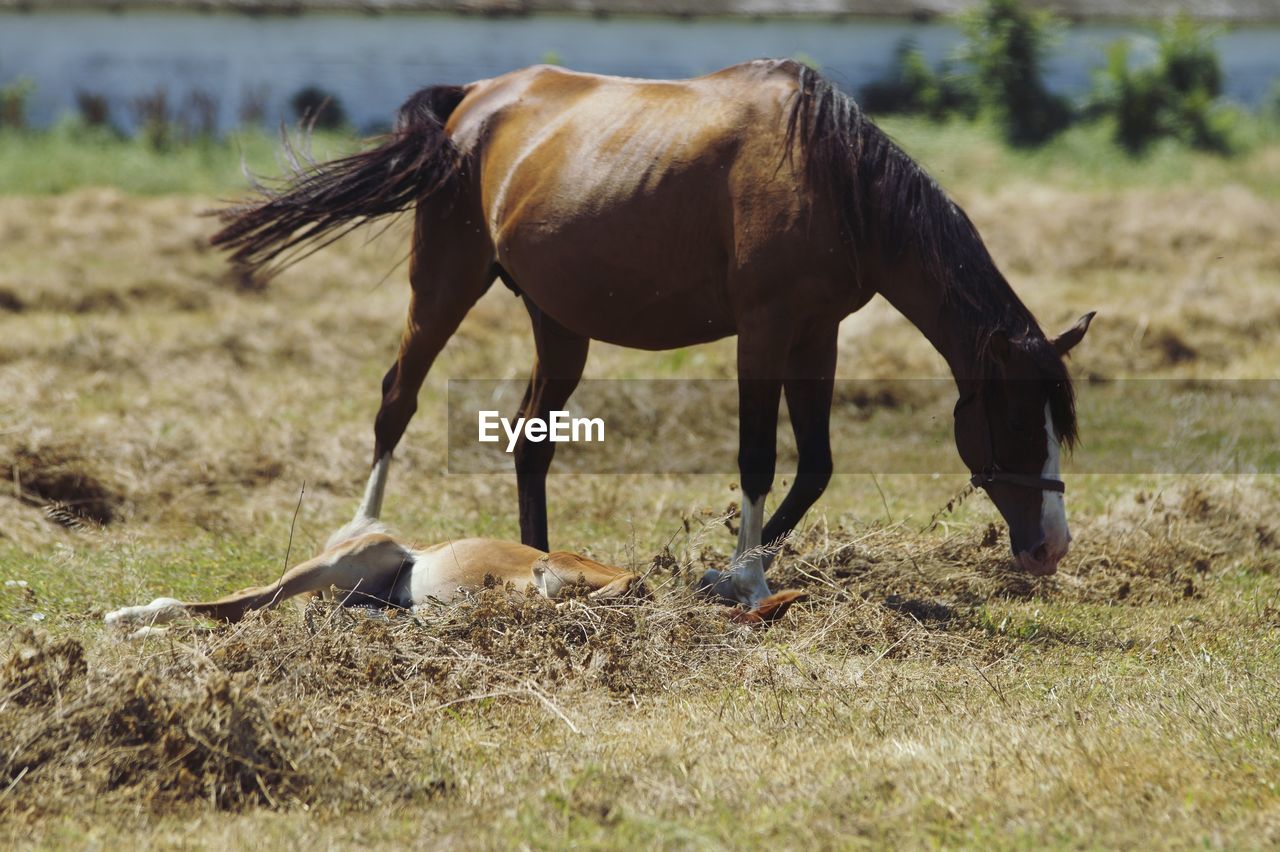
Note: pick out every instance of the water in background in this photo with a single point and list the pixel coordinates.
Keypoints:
(372, 63)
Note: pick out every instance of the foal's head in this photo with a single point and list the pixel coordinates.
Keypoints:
(1010, 427)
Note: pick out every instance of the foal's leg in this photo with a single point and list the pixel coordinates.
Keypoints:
(808, 387)
(561, 358)
(451, 267)
(759, 391)
(366, 568)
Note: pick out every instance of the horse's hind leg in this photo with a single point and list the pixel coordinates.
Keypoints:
(561, 357)
(451, 267)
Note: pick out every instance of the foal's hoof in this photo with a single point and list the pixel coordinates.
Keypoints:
(768, 610)
(159, 611)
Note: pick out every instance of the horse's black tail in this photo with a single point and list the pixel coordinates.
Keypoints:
(326, 200)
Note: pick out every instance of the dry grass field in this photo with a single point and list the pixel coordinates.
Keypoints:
(159, 418)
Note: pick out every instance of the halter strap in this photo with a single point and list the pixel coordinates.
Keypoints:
(981, 480)
(991, 472)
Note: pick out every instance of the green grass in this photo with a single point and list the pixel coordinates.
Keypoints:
(1067, 714)
(1083, 157)
(972, 154)
(69, 157)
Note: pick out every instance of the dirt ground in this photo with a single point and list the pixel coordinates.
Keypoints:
(162, 420)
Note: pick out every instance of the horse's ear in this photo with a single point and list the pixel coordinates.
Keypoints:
(1065, 342)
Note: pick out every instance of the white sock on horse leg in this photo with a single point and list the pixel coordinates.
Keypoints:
(748, 560)
(366, 517)
(371, 505)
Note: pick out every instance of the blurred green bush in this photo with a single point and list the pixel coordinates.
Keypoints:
(997, 73)
(912, 87)
(1176, 96)
(318, 107)
(1006, 46)
(13, 103)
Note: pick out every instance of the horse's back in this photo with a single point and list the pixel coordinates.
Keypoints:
(580, 127)
(622, 207)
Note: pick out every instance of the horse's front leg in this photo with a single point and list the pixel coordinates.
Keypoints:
(759, 391)
(562, 356)
(808, 388)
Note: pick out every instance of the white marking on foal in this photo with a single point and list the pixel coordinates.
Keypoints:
(1053, 509)
(545, 579)
(148, 632)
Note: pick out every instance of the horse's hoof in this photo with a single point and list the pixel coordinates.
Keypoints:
(723, 587)
(717, 585)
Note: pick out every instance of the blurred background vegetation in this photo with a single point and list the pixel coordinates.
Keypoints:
(998, 74)
(1145, 118)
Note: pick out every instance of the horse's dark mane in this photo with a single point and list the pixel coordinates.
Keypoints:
(885, 198)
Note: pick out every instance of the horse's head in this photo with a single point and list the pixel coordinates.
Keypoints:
(1010, 427)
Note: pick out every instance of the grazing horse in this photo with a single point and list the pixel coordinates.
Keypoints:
(757, 201)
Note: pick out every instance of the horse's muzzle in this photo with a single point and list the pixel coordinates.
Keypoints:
(1042, 560)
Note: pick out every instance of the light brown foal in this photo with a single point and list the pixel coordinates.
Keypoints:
(364, 565)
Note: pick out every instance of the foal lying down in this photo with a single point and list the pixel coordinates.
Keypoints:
(364, 565)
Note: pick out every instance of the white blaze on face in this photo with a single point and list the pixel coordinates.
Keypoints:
(1053, 509)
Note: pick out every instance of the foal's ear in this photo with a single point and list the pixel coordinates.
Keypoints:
(1065, 342)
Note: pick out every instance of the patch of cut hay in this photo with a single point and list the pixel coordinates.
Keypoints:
(281, 711)
(58, 478)
(166, 730)
(37, 668)
(497, 641)
(1152, 547)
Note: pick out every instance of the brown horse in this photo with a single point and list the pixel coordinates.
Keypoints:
(755, 201)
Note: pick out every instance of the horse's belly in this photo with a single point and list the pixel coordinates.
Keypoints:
(645, 292)
(633, 314)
